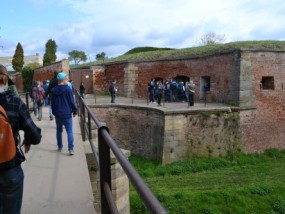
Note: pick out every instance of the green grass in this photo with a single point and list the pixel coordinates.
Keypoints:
(153, 54)
(252, 184)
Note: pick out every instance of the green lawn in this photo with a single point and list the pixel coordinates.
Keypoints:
(250, 184)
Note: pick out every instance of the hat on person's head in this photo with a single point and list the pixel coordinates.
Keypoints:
(61, 76)
(3, 70)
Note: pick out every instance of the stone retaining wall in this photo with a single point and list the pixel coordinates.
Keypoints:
(173, 135)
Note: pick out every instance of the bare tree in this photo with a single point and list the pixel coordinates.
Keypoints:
(211, 38)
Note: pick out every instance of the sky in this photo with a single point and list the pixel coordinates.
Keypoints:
(116, 26)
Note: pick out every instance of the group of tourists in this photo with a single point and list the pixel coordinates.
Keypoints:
(15, 116)
(172, 91)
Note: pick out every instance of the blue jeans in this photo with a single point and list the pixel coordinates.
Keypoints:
(46, 101)
(113, 97)
(11, 190)
(67, 123)
(151, 95)
(35, 107)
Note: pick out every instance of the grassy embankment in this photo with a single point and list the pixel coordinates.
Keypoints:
(157, 53)
(252, 184)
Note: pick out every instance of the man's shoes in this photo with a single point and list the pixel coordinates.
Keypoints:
(51, 117)
(59, 149)
(71, 152)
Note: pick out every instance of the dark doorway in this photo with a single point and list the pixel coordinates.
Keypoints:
(157, 79)
(205, 85)
(183, 79)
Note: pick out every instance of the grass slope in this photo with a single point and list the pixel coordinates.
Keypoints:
(252, 184)
(152, 53)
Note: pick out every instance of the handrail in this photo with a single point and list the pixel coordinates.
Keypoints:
(106, 142)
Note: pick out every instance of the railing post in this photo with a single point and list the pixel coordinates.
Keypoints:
(83, 121)
(89, 126)
(105, 170)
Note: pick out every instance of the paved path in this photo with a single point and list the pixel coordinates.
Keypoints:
(165, 106)
(56, 183)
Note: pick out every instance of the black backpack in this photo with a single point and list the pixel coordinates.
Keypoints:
(173, 86)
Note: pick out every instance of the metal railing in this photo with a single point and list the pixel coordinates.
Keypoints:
(102, 157)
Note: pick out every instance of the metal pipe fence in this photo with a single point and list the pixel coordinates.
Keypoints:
(102, 157)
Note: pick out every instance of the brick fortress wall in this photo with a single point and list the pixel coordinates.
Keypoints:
(235, 79)
(47, 72)
(264, 127)
(136, 76)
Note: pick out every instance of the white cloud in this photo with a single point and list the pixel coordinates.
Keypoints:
(115, 26)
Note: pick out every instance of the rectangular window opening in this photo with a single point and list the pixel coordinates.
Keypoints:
(267, 83)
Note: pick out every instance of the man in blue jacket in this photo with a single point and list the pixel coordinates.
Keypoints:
(63, 108)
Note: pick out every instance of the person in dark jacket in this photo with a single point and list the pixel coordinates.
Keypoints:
(158, 92)
(11, 173)
(82, 90)
(53, 82)
(63, 107)
(191, 88)
(45, 87)
(113, 91)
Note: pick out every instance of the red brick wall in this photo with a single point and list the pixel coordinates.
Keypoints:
(112, 72)
(47, 72)
(235, 78)
(82, 75)
(218, 67)
(17, 79)
(264, 127)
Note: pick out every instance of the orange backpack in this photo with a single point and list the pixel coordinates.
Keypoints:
(7, 140)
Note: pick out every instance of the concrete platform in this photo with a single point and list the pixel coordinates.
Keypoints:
(54, 181)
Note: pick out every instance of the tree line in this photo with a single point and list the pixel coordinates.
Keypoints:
(50, 56)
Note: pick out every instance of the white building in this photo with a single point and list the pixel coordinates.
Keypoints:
(7, 60)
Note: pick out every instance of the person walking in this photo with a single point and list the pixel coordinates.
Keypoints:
(51, 85)
(82, 90)
(11, 173)
(35, 107)
(45, 86)
(151, 90)
(158, 92)
(113, 90)
(191, 88)
(38, 97)
(63, 108)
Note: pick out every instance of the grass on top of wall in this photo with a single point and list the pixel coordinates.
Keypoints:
(154, 53)
(252, 184)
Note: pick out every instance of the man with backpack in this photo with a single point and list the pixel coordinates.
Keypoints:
(53, 82)
(14, 116)
(63, 108)
(38, 97)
